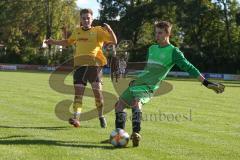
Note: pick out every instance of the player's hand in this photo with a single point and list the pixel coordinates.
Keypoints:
(217, 87)
(107, 27)
(49, 41)
(131, 83)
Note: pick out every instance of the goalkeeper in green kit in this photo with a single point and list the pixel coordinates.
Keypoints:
(161, 58)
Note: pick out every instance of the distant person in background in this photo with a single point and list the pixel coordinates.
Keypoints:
(122, 67)
(88, 62)
(113, 60)
(126, 57)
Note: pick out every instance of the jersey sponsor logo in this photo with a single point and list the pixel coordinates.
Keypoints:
(93, 33)
(82, 39)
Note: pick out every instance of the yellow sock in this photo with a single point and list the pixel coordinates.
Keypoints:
(77, 109)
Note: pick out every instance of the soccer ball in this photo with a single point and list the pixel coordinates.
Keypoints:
(119, 138)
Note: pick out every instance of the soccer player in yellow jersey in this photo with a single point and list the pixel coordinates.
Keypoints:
(88, 61)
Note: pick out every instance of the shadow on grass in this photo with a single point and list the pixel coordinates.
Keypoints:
(193, 79)
(226, 83)
(14, 136)
(232, 86)
(46, 128)
(27, 71)
(56, 143)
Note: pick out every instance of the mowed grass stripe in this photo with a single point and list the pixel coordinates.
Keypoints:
(29, 128)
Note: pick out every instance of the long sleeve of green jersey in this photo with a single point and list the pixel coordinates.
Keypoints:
(184, 64)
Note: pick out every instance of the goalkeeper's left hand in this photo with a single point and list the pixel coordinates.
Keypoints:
(217, 87)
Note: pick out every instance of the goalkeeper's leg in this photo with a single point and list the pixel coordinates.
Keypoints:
(121, 116)
(136, 121)
(127, 99)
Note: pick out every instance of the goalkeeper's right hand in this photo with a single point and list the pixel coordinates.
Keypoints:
(217, 87)
(131, 83)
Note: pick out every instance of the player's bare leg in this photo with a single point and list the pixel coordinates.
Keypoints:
(97, 91)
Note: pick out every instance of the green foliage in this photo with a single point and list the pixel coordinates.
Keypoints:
(208, 30)
(34, 56)
(205, 29)
(23, 27)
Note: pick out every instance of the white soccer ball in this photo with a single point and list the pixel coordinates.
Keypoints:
(119, 138)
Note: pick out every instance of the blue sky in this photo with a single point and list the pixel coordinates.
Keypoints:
(89, 4)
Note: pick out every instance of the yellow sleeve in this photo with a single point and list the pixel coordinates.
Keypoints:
(72, 39)
(103, 35)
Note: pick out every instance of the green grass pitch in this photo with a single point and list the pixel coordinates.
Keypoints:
(190, 122)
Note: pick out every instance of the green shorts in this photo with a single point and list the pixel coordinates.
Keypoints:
(142, 92)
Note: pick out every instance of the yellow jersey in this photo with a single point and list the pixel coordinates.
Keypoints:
(89, 46)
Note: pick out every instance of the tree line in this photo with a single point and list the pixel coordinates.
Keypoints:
(24, 24)
(207, 31)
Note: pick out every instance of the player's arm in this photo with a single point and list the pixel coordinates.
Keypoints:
(185, 65)
(57, 42)
(65, 42)
(113, 37)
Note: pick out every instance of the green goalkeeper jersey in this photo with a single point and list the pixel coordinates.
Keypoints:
(159, 63)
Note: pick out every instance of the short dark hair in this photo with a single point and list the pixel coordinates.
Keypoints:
(86, 10)
(167, 26)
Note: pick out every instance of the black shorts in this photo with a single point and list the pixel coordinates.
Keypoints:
(85, 74)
